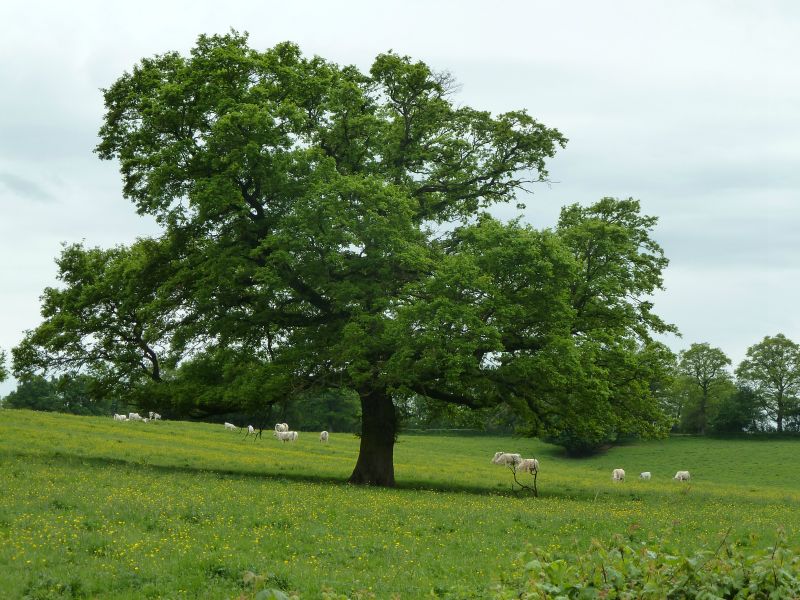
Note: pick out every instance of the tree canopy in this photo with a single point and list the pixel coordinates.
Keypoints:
(327, 229)
(704, 369)
(772, 371)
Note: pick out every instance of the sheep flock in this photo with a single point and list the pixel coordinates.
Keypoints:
(514, 461)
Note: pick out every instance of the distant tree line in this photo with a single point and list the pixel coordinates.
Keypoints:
(79, 395)
(60, 394)
(698, 390)
(762, 394)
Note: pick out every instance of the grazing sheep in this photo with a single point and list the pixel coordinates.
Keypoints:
(682, 476)
(505, 458)
(146, 420)
(230, 426)
(645, 475)
(134, 417)
(618, 475)
(281, 427)
(286, 436)
(120, 417)
(528, 465)
(323, 436)
(156, 417)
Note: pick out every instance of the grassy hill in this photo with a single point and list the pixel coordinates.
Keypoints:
(96, 508)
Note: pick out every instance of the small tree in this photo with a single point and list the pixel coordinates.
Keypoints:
(704, 370)
(3, 369)
(772, 371)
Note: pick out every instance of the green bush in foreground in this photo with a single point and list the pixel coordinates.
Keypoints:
(627, 569)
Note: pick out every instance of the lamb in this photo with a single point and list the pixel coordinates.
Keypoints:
(645, 475)
(120, 417)
(281, 427)
(528, 465)
(505, 458)
(156, 417)
(230, 426)
(145, 420)
(618, 475)
(682, 476)
(323, 436)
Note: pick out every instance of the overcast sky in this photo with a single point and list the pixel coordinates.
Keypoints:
(691, 107)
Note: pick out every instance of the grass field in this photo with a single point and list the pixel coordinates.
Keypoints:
(96, 508)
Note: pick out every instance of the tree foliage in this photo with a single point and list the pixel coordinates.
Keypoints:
(69, 394)
(104, 320)
(326, 230)
(737, 412)
(772, 371)
(706, 380)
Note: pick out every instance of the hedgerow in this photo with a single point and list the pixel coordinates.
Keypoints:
(626, 569)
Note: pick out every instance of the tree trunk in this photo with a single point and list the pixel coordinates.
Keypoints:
(375, 465)
(703, 403)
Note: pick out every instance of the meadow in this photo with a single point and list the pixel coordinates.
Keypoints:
(102, 509)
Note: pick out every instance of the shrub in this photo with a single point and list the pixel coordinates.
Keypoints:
(626, 569)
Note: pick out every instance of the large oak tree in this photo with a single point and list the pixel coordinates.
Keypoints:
(331, 226)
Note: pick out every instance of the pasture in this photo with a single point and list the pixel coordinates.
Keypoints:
(96, 508)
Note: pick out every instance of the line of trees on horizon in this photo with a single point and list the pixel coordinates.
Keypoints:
(705, 395)
(762, 394)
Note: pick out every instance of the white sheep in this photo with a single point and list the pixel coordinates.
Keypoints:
(146, 420)
(618, 475)
(230, 426)
(134, 417)
(156, 417)
(286, 436)
(645, 476)
(120, 417)
(682, 476)
(505, 458)
(528, 465)
(281, 427)
(323, 436)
